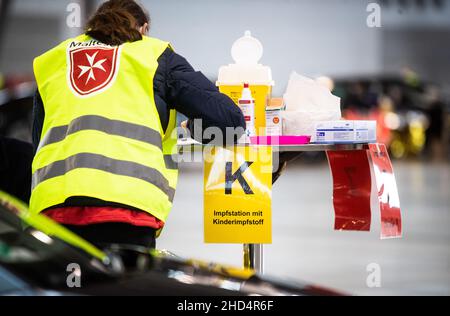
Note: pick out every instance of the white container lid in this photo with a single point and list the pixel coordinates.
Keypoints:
(246, 53)
(247, 50)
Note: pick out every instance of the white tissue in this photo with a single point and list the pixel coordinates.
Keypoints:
(307, 102)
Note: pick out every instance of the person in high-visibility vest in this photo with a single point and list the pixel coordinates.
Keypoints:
(105, 127)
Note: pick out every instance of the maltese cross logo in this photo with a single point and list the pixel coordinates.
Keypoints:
(92, 69)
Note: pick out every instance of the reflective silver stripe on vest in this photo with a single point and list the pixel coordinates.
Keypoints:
(99, 162)
(171, 161)
(102, 124)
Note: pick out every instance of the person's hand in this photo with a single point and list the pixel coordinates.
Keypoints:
(184, 124)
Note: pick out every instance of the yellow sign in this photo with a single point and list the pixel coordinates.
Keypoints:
(238, 195)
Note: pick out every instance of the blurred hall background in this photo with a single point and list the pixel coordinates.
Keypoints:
(398, 74)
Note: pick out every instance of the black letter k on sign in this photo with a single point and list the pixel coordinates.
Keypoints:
(231, 177)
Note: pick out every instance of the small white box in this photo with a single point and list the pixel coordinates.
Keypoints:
(366, 131)
(345, 132)
(274, 120)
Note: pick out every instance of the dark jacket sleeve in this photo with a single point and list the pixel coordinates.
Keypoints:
(193, 95)
(38, 119)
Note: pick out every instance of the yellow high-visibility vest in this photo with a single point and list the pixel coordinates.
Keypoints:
(102, 136)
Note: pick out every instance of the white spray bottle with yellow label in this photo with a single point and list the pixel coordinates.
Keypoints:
(247, 105)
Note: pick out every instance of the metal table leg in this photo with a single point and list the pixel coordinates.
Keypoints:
(254, 253)
(254, 257)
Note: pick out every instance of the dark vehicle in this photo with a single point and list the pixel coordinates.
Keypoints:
(410, 114)
(40, 257)
(16, 104)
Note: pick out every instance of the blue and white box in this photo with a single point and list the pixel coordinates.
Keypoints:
(327, 132)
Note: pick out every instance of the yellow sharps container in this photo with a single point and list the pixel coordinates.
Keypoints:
(246, 53)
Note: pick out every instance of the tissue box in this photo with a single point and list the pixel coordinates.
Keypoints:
(345, 132)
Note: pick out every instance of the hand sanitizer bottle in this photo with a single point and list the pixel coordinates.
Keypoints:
(247, 105)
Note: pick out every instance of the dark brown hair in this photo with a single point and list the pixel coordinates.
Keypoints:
(117, 22)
